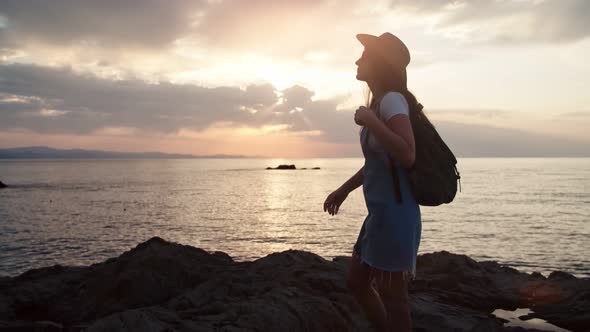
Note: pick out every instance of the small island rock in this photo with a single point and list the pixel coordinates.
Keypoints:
(283, 167)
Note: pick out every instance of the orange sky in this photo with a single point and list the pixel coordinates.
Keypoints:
(277, 78)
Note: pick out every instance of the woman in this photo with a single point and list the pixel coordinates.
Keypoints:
(384, 255)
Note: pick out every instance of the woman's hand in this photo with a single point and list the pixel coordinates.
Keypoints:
(334, 200)
(363, 116)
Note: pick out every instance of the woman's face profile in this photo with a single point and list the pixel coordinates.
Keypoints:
(363, 70)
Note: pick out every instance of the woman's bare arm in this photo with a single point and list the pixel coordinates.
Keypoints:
(354, 182)
(397, 137)
(335, 199)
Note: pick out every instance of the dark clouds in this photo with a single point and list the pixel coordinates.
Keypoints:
(145, 23)
(278, 26)
(272, 26)
(58, 100)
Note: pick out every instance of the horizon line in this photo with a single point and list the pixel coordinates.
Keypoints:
(176, 155)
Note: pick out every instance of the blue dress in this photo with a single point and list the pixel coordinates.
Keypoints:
(390, 235)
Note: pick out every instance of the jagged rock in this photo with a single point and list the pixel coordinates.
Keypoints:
(566, 301)
(164, 286)
(560, 299)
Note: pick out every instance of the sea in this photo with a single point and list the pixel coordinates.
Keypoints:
(532, 214)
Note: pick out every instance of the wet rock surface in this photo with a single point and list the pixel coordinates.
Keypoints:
(165, 286)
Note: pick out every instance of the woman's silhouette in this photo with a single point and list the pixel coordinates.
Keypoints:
(384, 255)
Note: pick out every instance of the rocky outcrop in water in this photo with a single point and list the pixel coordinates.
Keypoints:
(283, 167)
(290, 167)
(164, 286)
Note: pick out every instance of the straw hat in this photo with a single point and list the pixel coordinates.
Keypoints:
(388, 46)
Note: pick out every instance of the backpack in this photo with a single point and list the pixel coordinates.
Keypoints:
(433, 176)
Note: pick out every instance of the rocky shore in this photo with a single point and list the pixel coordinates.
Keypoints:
(164, 286)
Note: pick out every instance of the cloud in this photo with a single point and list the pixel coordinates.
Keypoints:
(111, 23)
(158, 40)
(280, 27)
(59, 100)
(111, 31)
(94, 103)
(271, 27)
(471, 140)
(574, 115)
(507, 21)
(295, 98)
(475, 113)
(421, 5)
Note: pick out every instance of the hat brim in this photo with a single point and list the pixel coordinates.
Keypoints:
(368, 41)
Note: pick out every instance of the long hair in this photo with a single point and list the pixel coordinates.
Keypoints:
(393, 80)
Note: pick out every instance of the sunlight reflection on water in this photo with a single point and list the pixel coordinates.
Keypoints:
(529, 213)
(534, 323)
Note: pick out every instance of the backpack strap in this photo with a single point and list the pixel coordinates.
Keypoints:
(458, 176)
(396, 185)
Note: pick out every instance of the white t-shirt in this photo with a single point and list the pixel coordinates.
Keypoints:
(392, 104)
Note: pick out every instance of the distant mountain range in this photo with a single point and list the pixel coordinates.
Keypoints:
(43, 152)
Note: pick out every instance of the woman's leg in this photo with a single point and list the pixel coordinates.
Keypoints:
(360, 283)
(393, 290)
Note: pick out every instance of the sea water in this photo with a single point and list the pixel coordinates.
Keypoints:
(529, 213)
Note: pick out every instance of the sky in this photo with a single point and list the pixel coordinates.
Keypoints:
(276, 78)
